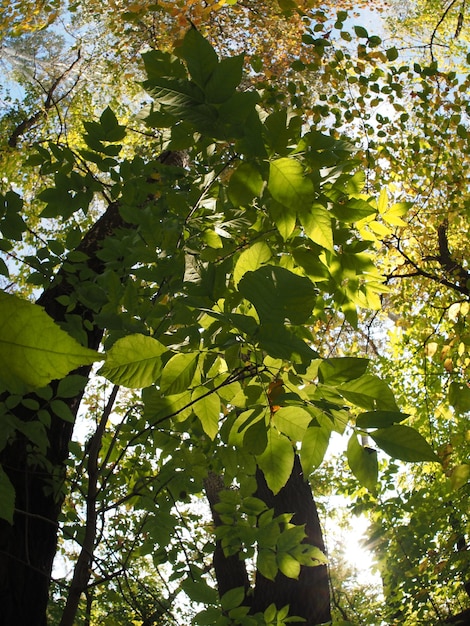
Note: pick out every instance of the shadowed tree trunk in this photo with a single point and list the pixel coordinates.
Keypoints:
(27, 548)
(309, 595)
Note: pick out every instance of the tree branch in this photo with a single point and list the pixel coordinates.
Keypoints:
(49, 102)
(81, 572)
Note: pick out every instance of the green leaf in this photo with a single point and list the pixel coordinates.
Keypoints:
(243, 422)
(250, 260)
(134, 361)
(158, 408)
(111, 129)
(7, 498)
(278, 294)
(288, 565)
(459, 397)
(71, 385)
(277, 460)
(281, 343)
(284, 218)
(292, 421)
(369, 392)
(159, 64)
(340, 370)
(404, 443)
(317, 226)
(199, 591)
(179, 98)
(314, 446)
(361, 32)
(288, 184)
(267, 563)
(353, 210)
(34, 349)
(200, 57)
(245, 184)
(224, 80)
(459, 476)
(363, 463)
(207, 409)
(232, 598)
(392, 54)
(178, 373)
(379, 419)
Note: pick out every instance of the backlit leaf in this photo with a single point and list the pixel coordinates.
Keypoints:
(363, 463)
(199, 55)
(289, 185)
(251, 259)
(292, 421)
(278, 294)
(314, 446)
(317, 226)
(277, 460)
(369, 392)
(404, 443)
(134, 361)
(178, 373)
(340, 370)
(245, 184)
(207, 409)
(34, 349)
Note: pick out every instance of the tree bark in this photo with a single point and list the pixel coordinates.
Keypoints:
(28, 546)
(230, 571)
(309, 595)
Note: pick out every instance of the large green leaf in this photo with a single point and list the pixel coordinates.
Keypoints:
(459, 397)
(278, 294)
(369, 392)
(245, 184)
(314, 447)
(207, 409)
(158, 408)
(224, 80)
(281, 343)
(134, 361)
(289, 185)
(200, 57)
(277, 460)
(404, 443)
(292, 421)
(363, 463)
(316, 222)
(251, 259)
(379, 419)
(288, 565)
(285, 218)
(34, 349)
(178, 373)
(340, 370)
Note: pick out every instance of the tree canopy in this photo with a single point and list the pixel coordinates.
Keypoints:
(235, 274)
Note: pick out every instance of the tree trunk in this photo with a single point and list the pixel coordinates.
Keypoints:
(27, 548)
(309, 595)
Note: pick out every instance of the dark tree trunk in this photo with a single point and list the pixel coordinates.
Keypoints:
(309, 595)
(230, 571)
(27, 548)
